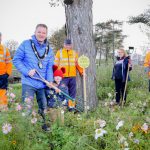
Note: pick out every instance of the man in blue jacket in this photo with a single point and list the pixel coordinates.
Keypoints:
(35, 54)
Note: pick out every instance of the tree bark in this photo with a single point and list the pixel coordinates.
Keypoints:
(79, 20)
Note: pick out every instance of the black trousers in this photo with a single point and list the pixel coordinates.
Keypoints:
(119, 87)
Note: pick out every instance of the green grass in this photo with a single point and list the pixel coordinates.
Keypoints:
(78, 131)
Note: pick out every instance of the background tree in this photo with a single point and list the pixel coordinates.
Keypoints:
(108, 37)
(141, 18)
(144, 20)
(79, 25)
(57, 38)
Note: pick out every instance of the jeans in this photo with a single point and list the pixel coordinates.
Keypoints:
(29, 91)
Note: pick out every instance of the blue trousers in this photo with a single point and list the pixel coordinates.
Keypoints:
(29, 91)
(70, 82)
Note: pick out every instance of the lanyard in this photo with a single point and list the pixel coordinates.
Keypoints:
(40, 58)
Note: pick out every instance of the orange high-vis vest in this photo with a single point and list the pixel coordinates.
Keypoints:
(5, 61)
(147, 60)
(69, 60)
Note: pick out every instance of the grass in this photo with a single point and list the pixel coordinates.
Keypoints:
(79, 129)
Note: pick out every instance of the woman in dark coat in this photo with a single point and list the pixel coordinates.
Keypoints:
(120, 74)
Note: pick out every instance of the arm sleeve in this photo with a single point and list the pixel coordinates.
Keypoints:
(8, 62)
(49, 69)
(77, 65)
(18, 60)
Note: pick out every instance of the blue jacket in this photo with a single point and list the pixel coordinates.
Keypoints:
(56, 99)
(25, 60)
(120, 69)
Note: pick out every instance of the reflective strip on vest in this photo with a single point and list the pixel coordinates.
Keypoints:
(66, 64)
(4, 52)
(1, 55)
(66, 59)
(2, 61)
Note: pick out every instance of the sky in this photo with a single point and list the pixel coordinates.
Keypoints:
(18, 18)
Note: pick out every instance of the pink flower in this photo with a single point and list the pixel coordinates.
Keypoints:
(34, 113)
(18, 107)
(28, 100)
(12, 95)
(33, 120)
(29, 106)
(6, 128)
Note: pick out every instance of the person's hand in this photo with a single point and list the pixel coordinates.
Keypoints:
(130, 65)
(49, 84)
(57, 90)
(32, 72)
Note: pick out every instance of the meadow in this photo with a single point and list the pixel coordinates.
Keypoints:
(107, 127)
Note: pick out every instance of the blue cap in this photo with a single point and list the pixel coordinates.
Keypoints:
(67, 41)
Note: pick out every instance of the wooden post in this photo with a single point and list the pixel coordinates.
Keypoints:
(84, 90)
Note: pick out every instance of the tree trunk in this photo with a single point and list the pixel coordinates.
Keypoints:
(79, 20)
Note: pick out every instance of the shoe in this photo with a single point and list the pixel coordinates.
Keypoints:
(45, 127)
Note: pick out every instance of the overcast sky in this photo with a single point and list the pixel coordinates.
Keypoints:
(18, 18)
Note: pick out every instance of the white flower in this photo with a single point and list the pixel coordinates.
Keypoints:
(18, 107)
(33, 120)
(6, 128)
(23, 114)
(144, 127)
(126, 144)
(126, 149)
(130, 134)
(12, 95)
(136, 141)
(109, 95)
(120, 124)
(99, 133)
